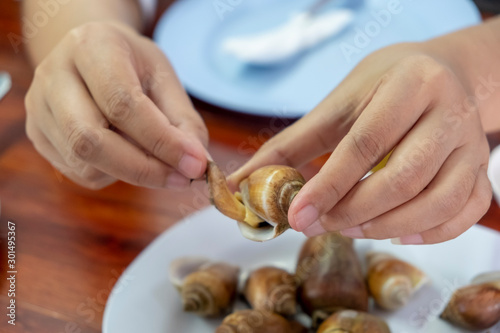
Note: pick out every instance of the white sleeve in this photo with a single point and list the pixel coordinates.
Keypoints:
(148, 9)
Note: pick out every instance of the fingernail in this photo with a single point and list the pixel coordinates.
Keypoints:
(207, 154)
(354, 232)
(305, 217)
(190, 166)
(314, 229)
(408, 240)
(177, 181)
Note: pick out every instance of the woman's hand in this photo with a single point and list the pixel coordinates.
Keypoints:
(105, 104)
(434, 186)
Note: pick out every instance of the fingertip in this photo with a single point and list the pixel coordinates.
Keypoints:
(232, 183)
(193, 163)
(191, 166)
(234, 179)
(208, 156)
(302, 215)
(237, 176)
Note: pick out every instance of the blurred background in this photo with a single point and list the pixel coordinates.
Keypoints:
(73, 243)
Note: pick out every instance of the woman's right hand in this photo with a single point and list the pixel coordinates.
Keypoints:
(105, 104)
(405, 99)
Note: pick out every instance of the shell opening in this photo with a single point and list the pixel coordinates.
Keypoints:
(263, 232)
(486, 278)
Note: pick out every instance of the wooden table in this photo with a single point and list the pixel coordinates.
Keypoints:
(73, 243)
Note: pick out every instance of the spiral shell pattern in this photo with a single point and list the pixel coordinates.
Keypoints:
(207, 289)
(272, 289)
(253, 321)
(391, 281)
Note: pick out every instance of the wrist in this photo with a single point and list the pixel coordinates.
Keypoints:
(74, 14)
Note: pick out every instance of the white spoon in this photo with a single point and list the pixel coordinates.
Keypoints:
(303, 31)
(5, 84)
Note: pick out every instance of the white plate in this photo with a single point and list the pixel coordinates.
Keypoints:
(191, 34)
(144, 301)
(494, 172)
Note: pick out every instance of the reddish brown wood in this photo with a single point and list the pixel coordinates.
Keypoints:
(72, 243)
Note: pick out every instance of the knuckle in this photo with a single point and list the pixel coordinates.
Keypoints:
(437, 73)
(368, 146)
(159, 145)
(431, 72)
(28, 102)
(447, 231)
(451, 203)
(29, 128)
(454, 200)
(81, 34)
(340, 215)
(40, 72)
(484, 197)
(142, 175)
(84, 142)
(118, 108)
(84, 33)
(335, 193)
(42, 76)
(406, 182)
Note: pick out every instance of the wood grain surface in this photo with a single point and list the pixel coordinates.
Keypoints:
(73, 243)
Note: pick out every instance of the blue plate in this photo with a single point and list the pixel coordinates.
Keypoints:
(191, 33)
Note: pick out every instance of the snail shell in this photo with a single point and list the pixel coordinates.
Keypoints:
(330, 276)
(392, 282)
(272, 289)
(350, 321)
(261, 206)
(475, 307)
(486, 277)
(207, 289)
(253, 321)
